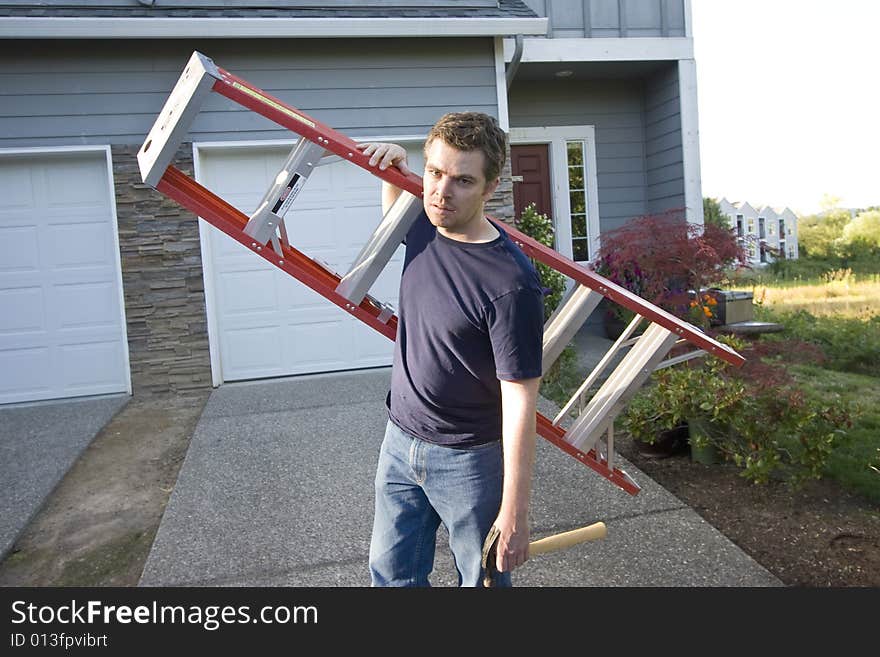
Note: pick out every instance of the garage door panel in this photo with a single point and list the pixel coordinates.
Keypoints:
(62, 329)
(371, 348)
(308, 229)
(84, 305)
(25, 374)
(330, 221)
(229, 250)
(359, 231)
(319, 346)
(78, 245)
(73, 184)
(248, 290)
(19, 250)
(90, 366)
(16, 190)
(253, 352)
(21, 310)
(297, 297)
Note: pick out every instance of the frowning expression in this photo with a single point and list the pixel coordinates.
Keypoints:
(455, 187)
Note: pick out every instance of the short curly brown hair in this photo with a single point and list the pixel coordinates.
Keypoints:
(469, 131)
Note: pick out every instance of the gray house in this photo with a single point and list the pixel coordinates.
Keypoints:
(107, 286)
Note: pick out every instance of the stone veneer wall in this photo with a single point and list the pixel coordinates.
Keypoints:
(500, 206)
(162, 281)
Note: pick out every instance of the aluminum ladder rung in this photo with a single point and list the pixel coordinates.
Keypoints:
(675, 360)
(381, 246)
(621, 342)
(574, 309)
(268, 219)
(632, 371)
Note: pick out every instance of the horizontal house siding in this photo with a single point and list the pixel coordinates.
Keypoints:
(102, 92)
(663, 146)
(311, 4)
(612, 18)
(616, 109)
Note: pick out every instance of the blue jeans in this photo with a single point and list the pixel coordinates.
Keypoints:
(418, 486)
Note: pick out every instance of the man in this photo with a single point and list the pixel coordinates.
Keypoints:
(459, 444)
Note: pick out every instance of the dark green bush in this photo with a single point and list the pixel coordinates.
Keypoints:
(757, 415)
(540, 227)
(849, 344)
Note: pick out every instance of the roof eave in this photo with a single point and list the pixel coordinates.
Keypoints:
(216, 28)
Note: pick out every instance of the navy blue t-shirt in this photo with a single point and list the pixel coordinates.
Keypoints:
(469, 315)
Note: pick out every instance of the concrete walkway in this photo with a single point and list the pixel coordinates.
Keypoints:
(39, 442)
(277, 490)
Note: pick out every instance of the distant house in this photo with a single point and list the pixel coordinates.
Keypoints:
(107, 286)
(767, 234)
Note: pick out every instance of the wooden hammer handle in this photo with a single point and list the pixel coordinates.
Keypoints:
(568, 539)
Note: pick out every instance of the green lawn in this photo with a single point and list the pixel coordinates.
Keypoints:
(851, 463)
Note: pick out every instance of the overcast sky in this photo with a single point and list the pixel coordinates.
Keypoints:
(789, 100)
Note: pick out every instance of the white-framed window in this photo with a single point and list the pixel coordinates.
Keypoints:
(574, 184)
(577, 193)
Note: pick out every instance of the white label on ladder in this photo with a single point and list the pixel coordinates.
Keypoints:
(288, 196)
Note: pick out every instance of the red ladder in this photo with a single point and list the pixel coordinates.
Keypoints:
(590, 438)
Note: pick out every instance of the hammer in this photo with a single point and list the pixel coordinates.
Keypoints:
(549, 544)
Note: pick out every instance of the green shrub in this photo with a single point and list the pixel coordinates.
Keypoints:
(540, 227)
(757, 415)
(849, 344)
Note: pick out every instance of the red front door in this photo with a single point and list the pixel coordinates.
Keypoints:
(532, 164)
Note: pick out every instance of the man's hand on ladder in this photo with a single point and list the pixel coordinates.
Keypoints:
(385, 155)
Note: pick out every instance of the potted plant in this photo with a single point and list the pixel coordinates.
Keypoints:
(692, 395)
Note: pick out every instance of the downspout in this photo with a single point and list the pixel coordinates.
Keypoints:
(510, 73)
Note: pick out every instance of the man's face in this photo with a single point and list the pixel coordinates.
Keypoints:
(455, 187)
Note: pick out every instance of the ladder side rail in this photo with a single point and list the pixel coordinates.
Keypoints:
(188, 193)
(556, 436)
(698, 353)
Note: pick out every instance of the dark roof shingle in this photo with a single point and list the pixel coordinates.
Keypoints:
(504, 9)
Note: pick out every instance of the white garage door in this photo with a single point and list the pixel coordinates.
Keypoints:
(264, 322)
(62, 328)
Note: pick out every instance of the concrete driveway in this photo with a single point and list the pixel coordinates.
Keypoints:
(277, 490)
(39, 442)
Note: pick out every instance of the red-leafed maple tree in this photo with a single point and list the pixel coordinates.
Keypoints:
(670, 262)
